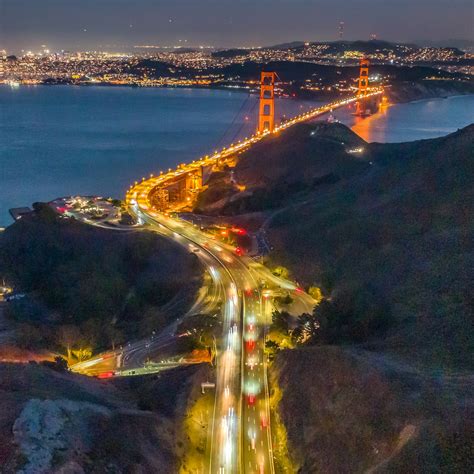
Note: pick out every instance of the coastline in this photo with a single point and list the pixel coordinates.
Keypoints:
(151, 144)
(401, 93)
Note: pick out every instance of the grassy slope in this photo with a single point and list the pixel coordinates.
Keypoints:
(353, 411)
(402, 228)
(393, 222)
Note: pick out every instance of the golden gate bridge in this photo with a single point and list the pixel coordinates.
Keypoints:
(178, 189)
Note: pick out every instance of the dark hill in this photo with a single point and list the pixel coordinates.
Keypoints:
(392, 224)
(112, 286)
(299, 71)
(385, 384)
(301, 155)
(54, 421)
(352, 411)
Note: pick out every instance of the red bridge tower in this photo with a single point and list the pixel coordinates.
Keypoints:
(266, 116)
(363, 86)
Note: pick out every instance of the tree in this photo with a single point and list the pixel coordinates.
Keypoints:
(113, 334)
(281, 272)
(82, 353)
(281, 321)
(284, 300)
(67, 337)
(201, 327)
(272, 348)
(353, 316)
(59, 364)
(316, 293)
(306, 328)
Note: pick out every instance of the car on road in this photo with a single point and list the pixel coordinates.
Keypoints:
(250, 345)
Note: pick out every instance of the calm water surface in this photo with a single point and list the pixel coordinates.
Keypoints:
(415, 120)
(57, 141)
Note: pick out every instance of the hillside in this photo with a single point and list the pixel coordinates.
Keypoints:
(91, 288)
(407, 83)
(385, 232)
(348, 410)
(398, 234)
(56, 422)
(385, 382)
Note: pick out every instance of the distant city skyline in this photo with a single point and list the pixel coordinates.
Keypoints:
(122, 24)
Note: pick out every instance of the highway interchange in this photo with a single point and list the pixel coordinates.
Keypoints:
(240, 429)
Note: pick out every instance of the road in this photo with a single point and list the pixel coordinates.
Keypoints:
(133, 356)
(241, 437)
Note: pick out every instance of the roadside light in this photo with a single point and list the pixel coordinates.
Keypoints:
(105, 375)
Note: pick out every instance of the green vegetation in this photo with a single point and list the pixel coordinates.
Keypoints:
(89, 288)
(284, 300)
(281, 272)
(202, 328)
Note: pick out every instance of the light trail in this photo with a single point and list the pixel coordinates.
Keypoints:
(242, 403)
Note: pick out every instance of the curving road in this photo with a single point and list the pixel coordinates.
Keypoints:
(241, 439)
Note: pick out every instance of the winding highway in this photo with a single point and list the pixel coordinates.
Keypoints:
(240, 434)
(241, 438)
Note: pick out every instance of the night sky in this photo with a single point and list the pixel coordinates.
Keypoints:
(121, 24)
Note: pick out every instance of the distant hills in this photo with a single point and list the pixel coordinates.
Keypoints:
(464, 44)
(401, 49)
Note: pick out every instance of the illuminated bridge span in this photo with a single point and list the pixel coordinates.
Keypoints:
(179, 187)
(240, 430)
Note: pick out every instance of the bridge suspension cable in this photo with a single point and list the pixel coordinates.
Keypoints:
(232, 124)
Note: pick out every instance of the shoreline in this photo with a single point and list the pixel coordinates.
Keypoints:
(446, 93)
(116, 191)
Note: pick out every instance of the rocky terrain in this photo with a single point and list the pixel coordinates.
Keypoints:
(57, 422)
